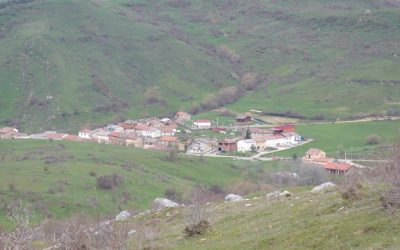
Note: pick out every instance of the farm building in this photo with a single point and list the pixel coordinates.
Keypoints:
(293, 137)
(284, 129)
(202, 124)
(227, 145)
(246, 145)
(243, 119)
(314, 154)
(201, 146)
(134, 141)
(8, 133)
(337, 167)
(275, 141)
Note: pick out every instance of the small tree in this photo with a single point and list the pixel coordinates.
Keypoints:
(248, 134)
(197, 215)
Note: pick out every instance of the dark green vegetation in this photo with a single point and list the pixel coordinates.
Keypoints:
(59, 178)
(68, 64)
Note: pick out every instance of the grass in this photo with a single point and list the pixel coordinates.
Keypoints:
(73, 64)
(336, 139)
(55, 177)
(308, 222)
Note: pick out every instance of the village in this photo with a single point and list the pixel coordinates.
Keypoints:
(244, 138)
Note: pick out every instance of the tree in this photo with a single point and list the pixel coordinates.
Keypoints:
(248, 134)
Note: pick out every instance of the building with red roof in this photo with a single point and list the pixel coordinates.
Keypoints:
(337, 167)
(8, 133)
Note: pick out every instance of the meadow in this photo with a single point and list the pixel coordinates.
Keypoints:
(336, 139)
(59, 178)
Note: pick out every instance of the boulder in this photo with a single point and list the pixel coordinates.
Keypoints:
(286, 194)
(273, 195)
(161, 203)
(123, 215)
(327, 186)
(233, 197)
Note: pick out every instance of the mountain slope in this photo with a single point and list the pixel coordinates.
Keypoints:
(70, 64)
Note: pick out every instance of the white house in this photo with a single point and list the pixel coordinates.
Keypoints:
(101, 136)
(202, 124)
(152, 133)
(85, 134)
(275, 141)
(292, 137)
(246, 145)
(167, 132)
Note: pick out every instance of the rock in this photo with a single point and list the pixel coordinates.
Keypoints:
(131, 232)
(286, 194)
(248, 205)
(277, 195)
(161, 203)
(323, 187)
(233, 198)
(123, 215)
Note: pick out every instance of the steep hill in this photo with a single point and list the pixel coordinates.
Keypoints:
(71, 64)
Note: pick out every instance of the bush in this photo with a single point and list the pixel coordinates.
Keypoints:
(197, 229)
(373, 140)
(108, 182)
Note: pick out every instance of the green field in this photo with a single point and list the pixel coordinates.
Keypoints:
(336, 139)
(73, 64)
(55, 177)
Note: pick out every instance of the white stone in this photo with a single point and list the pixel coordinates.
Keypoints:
(248, 205)
(161, 203)
(131, 232)
(123, 215)
(233, 197)
(323, 187)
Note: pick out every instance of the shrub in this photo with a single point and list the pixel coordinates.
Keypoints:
(197, 214)
(373, 140)
(108, 182)
(92, 174)
(198, 228)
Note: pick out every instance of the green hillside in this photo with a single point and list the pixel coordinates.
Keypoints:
(70, 64)
(59, 178)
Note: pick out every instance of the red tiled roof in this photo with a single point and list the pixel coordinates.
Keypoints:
(86, 131)
(286, 126)
(55, 136)
(6, 130)
(228, 141)
(72, 138)
(115, 134)
(202, 121)
(337, 166)
(169, 139)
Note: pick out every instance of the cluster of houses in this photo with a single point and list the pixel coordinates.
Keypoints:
(161, 134)
(318, 157)
(150, 133)
(260, 139)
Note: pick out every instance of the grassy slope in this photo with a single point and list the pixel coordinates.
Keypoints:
(310, 52)
(149, 175)
(349, 137)
(309, 222)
